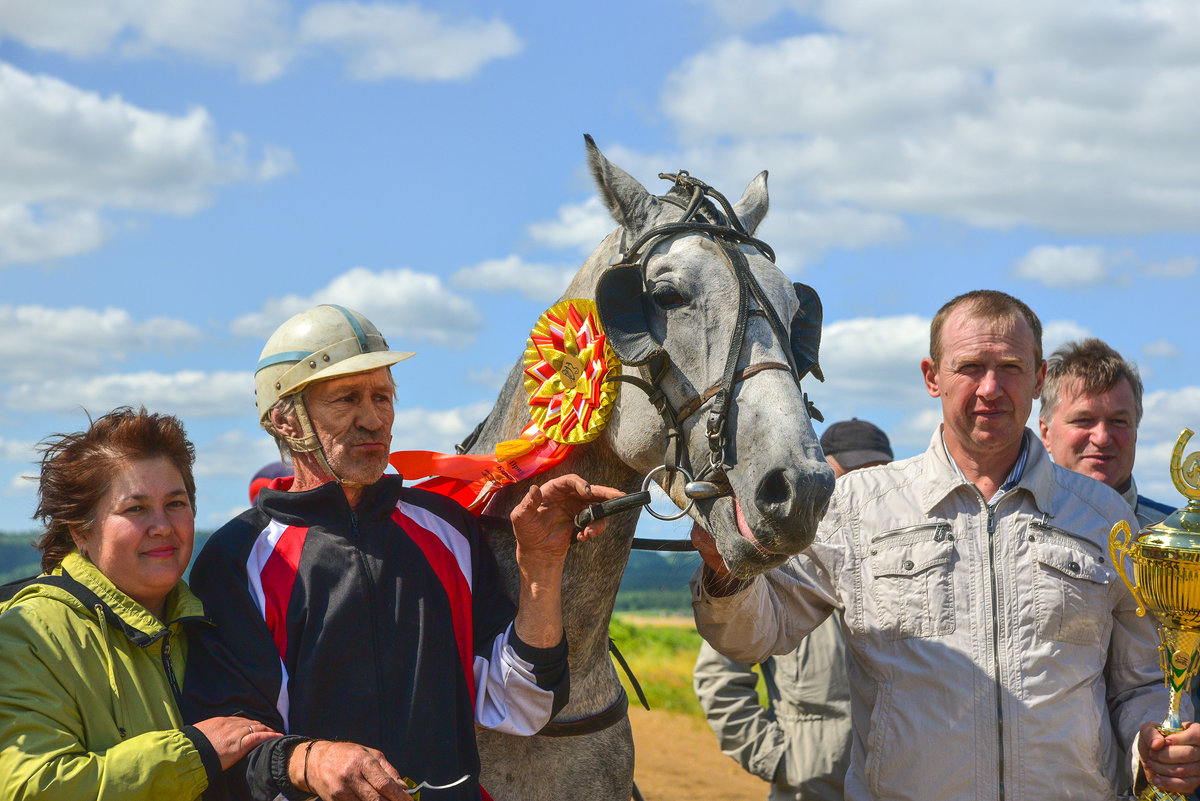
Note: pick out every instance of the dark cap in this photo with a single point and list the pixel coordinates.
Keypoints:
(855, 443)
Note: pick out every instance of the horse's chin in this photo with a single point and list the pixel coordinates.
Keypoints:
(746, 561)
(744, 553)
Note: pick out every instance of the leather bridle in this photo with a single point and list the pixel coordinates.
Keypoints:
(628, 272)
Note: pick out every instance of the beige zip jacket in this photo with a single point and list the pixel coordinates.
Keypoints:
(993, 652)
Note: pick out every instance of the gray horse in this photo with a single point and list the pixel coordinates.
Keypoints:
(771, 486)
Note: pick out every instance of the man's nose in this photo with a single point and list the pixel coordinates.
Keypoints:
(989, 385)
(1101, 435)
(369, 417)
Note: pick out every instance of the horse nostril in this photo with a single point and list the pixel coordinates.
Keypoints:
(774, 490)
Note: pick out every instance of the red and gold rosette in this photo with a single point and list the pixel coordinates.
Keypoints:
(567, 358)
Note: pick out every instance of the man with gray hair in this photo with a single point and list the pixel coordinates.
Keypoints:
(1091, 409)
(365, 619)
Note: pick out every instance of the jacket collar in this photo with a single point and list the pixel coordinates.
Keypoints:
(1131, 494)
(84, 582)
(326, 505)
(942, 477)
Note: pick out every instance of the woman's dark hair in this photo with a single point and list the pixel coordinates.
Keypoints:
(77, 470)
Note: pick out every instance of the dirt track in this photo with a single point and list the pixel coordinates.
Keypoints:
(677, 759)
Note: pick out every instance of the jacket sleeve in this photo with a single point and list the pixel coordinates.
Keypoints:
(518, 688)
(234, 669)
(780, 607)
(727, 691)
(44, 753)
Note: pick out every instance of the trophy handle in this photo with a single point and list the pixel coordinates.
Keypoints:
(1185, 473)
(1118, 549)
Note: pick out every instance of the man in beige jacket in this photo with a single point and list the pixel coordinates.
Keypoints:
(992, 651)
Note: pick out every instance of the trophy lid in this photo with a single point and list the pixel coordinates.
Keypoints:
(1181, 529)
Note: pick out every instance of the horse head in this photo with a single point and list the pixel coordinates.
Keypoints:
(691, 300)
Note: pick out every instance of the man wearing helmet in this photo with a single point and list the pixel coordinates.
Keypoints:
(365, 619)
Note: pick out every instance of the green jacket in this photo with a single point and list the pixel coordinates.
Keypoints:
(87, 708)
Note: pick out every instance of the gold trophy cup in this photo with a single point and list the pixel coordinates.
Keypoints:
(1166, 571)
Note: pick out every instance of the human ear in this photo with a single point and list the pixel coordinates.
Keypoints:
(80, 540)
(929, 373)
(284, 424)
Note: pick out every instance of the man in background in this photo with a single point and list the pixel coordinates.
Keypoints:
(1091, 409)
(801, 743)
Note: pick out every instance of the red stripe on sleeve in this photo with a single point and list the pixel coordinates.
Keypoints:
(455, 583)
(278, 578)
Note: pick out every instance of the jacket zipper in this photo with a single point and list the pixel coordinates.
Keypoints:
(170, 668)
(362, 563)
(991, 532)
(896, 532)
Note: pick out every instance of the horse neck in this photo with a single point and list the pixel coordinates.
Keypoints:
(592, 572)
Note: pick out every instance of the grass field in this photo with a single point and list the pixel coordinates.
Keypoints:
(662, 652)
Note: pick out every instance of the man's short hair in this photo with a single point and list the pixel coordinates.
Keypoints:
(991, 305)
(1092, 365)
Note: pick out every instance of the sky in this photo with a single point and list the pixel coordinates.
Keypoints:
(177, 177)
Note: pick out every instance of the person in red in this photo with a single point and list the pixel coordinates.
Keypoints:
(266, 474)
(365, 619)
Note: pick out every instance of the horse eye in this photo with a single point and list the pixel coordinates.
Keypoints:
(666, 296)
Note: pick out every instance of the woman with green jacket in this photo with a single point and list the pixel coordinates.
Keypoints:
(92, 653)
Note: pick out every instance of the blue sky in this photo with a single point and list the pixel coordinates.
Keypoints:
(179, 176)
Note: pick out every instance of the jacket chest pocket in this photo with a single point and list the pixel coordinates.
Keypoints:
(912, 581)
(1071, 589)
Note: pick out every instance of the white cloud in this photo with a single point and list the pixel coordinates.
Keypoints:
(22, 485)
(1058, 332)
(235, 454)
(403, 304)
(872, 367)
(490, 378)
(44, 234)
(16, 451)
(67, 154)
(1074, 117)
(579, 225)
(261, 39)
(1069, 267)
(421, 429)
(535, 281)
(1162, 349)
(250, 35)
(1167, 413)
(914, 431)
(80, 339)
(801, 236)
(383, 40)
(188, 393)
(1181, 267)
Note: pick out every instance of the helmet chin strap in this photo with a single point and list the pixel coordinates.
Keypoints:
(309, 443)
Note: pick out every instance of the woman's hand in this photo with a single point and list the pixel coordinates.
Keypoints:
(234, 737)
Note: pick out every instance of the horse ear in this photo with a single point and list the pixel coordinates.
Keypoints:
(627, 200)
(753, 206)
(806, 332)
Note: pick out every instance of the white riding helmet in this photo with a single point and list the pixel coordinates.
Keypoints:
(318, 344)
